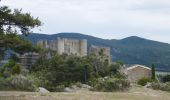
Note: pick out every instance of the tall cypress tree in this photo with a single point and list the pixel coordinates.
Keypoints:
(153, 72)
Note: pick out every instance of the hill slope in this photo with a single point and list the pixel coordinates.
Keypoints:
(131, 50)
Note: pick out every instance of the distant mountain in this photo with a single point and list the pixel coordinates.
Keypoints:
(131, 50)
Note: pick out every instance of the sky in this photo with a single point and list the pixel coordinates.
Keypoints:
(108, 19)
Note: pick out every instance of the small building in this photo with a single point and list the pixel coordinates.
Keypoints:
(136, 72)
(101, 52)
(64, 45)
(28, 59)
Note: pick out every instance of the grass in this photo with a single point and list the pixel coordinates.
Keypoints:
(136, 93)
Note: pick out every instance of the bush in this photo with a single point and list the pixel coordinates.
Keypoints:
(5, 84)
(60, 88)
(78, 84)
(161, 86)
(111, 84)
(18, 82)
(16, 69)
(166, 78)
(143, 81)
(156, 86)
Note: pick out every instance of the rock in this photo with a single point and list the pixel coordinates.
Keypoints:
(86, 86)
(74, 87)
(43, 90)
(148, 85)
(68, 90)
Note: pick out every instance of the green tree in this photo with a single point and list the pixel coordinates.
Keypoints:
(10, 68)
(114, 68)
(16, 69)
(153, 72)
(166, 78)
(13, 22)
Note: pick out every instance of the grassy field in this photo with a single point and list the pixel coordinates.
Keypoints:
(136, 93)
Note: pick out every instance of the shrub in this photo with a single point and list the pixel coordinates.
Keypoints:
(161, 86)
(18, 82)
(111, 84)
(78, 84)
(60, 88)
(5, 84)
(166, 78)
(16, 69)
(143, 81)
(156, 86)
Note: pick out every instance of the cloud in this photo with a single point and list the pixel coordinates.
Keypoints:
(102, 18)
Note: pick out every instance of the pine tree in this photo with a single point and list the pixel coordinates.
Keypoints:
(13, 22)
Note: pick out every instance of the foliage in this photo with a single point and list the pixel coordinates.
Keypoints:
(10, 20)
(5, 83)
(143, 81)
(161, 86)
(16, 69)
(60, 88)
(166, 78)
(13, 22)
(78, 84)
(17, 82)
(115, 68)
(67, 69)
(10, 68)
(153, 72)
(20, 82)
(111, 84)
(61, 69)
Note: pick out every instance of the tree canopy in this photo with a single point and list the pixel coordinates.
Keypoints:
(13, 22)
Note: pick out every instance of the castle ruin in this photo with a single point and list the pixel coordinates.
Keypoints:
(67, 46)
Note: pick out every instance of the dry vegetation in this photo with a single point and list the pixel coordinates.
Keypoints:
(137, 93)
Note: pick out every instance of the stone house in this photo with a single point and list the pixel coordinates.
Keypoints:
(136, 72)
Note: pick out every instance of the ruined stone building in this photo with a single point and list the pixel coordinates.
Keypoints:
(137, 72)
(67, 46)
(102, 52)
(28, 59)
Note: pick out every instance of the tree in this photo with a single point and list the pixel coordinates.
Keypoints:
(16, 69)
(166, 78)
(153, 72)
(10, 68)
(114, 69)
(13, 22)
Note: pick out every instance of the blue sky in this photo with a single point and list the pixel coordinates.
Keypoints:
(109, 19)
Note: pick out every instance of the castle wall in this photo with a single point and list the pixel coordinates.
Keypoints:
(60, 46)
(68, 46)
(105, 52)
(83, 47)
